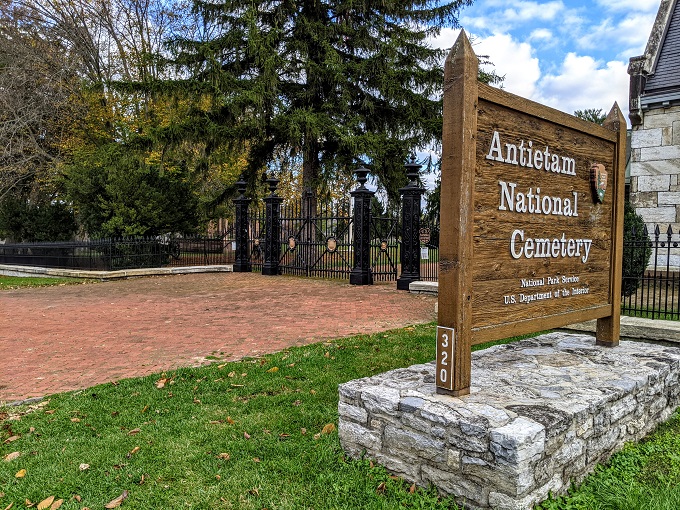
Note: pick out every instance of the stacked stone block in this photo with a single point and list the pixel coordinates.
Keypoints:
(655, 168)
(541, 414)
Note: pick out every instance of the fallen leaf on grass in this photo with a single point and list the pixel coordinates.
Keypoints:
(9, 506)
(273, 369)
(12, 439)
(28, 503)
(328, 429)
(160, 384)
(256, 459)
(327, 355)
(11, 456)
(77, 498)
(303, 431)
(224, 456)
(134, 431)
(20, 474)
(84, 467)
(221, 366)
(297, 403)
(412, 488)
(381, 488)
(75, 420)
(57, 504)
(51, 411)
(317, 437)
(45, 503)
(246, 435)
(231, 374)
(115, 503)
(133, 451)
(230, 421)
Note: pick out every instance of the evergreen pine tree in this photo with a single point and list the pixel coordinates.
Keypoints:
(336, 82)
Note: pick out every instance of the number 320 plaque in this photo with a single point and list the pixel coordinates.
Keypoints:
(445, 343)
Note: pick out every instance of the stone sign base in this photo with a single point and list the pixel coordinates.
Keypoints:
(541, 414)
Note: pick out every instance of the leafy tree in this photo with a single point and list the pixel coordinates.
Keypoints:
(636, 250)
(121, 190)
(331, 82)
(25, 220)
(592, 115)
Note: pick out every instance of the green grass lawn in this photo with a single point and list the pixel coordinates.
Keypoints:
(259, 433)
(18, 282)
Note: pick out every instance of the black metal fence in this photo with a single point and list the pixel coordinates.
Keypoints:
(122, 253)
(651, 275)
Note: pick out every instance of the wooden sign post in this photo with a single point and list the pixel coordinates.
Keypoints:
(531, 219)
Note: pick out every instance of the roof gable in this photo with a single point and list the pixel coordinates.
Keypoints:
(655, 76)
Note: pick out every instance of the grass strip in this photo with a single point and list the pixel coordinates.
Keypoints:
(254, 434)
(259, 433)
(19, 282)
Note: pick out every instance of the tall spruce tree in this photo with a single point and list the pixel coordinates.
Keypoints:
(334, 82)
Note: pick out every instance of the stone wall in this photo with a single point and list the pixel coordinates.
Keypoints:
(655, 168)
(542, 413)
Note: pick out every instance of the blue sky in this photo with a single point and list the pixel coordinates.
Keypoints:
(568, 54)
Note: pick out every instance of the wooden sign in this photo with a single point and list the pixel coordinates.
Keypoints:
(531, 218)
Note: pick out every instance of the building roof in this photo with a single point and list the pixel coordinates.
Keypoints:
(655, 76)
(666, 71)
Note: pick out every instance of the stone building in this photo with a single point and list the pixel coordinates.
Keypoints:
(655, 118)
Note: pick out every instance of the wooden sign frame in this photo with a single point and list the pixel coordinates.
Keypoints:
(512, 168)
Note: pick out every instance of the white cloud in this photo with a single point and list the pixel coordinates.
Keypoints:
(541, 34)
(446, 38)
(527, 11)
(583, 83)
(633, 32)
(630, 5)
(511, 59)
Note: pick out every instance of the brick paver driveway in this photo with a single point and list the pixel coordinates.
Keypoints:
(63, 338)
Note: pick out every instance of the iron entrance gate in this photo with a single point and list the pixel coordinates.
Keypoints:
(385, 247)
(318, 244)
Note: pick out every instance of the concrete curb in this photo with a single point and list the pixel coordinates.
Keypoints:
(632, 328)
(26, 271)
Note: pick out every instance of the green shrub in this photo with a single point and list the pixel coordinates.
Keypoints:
(636, 250)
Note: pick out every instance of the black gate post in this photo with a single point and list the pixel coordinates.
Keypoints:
(272, 231)
(361, 274)
(242, 263)
(410, 227)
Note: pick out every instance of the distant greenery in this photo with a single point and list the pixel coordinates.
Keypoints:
(592, 115)
(18, 282)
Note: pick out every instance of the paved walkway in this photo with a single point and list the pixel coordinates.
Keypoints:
(55, 339)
